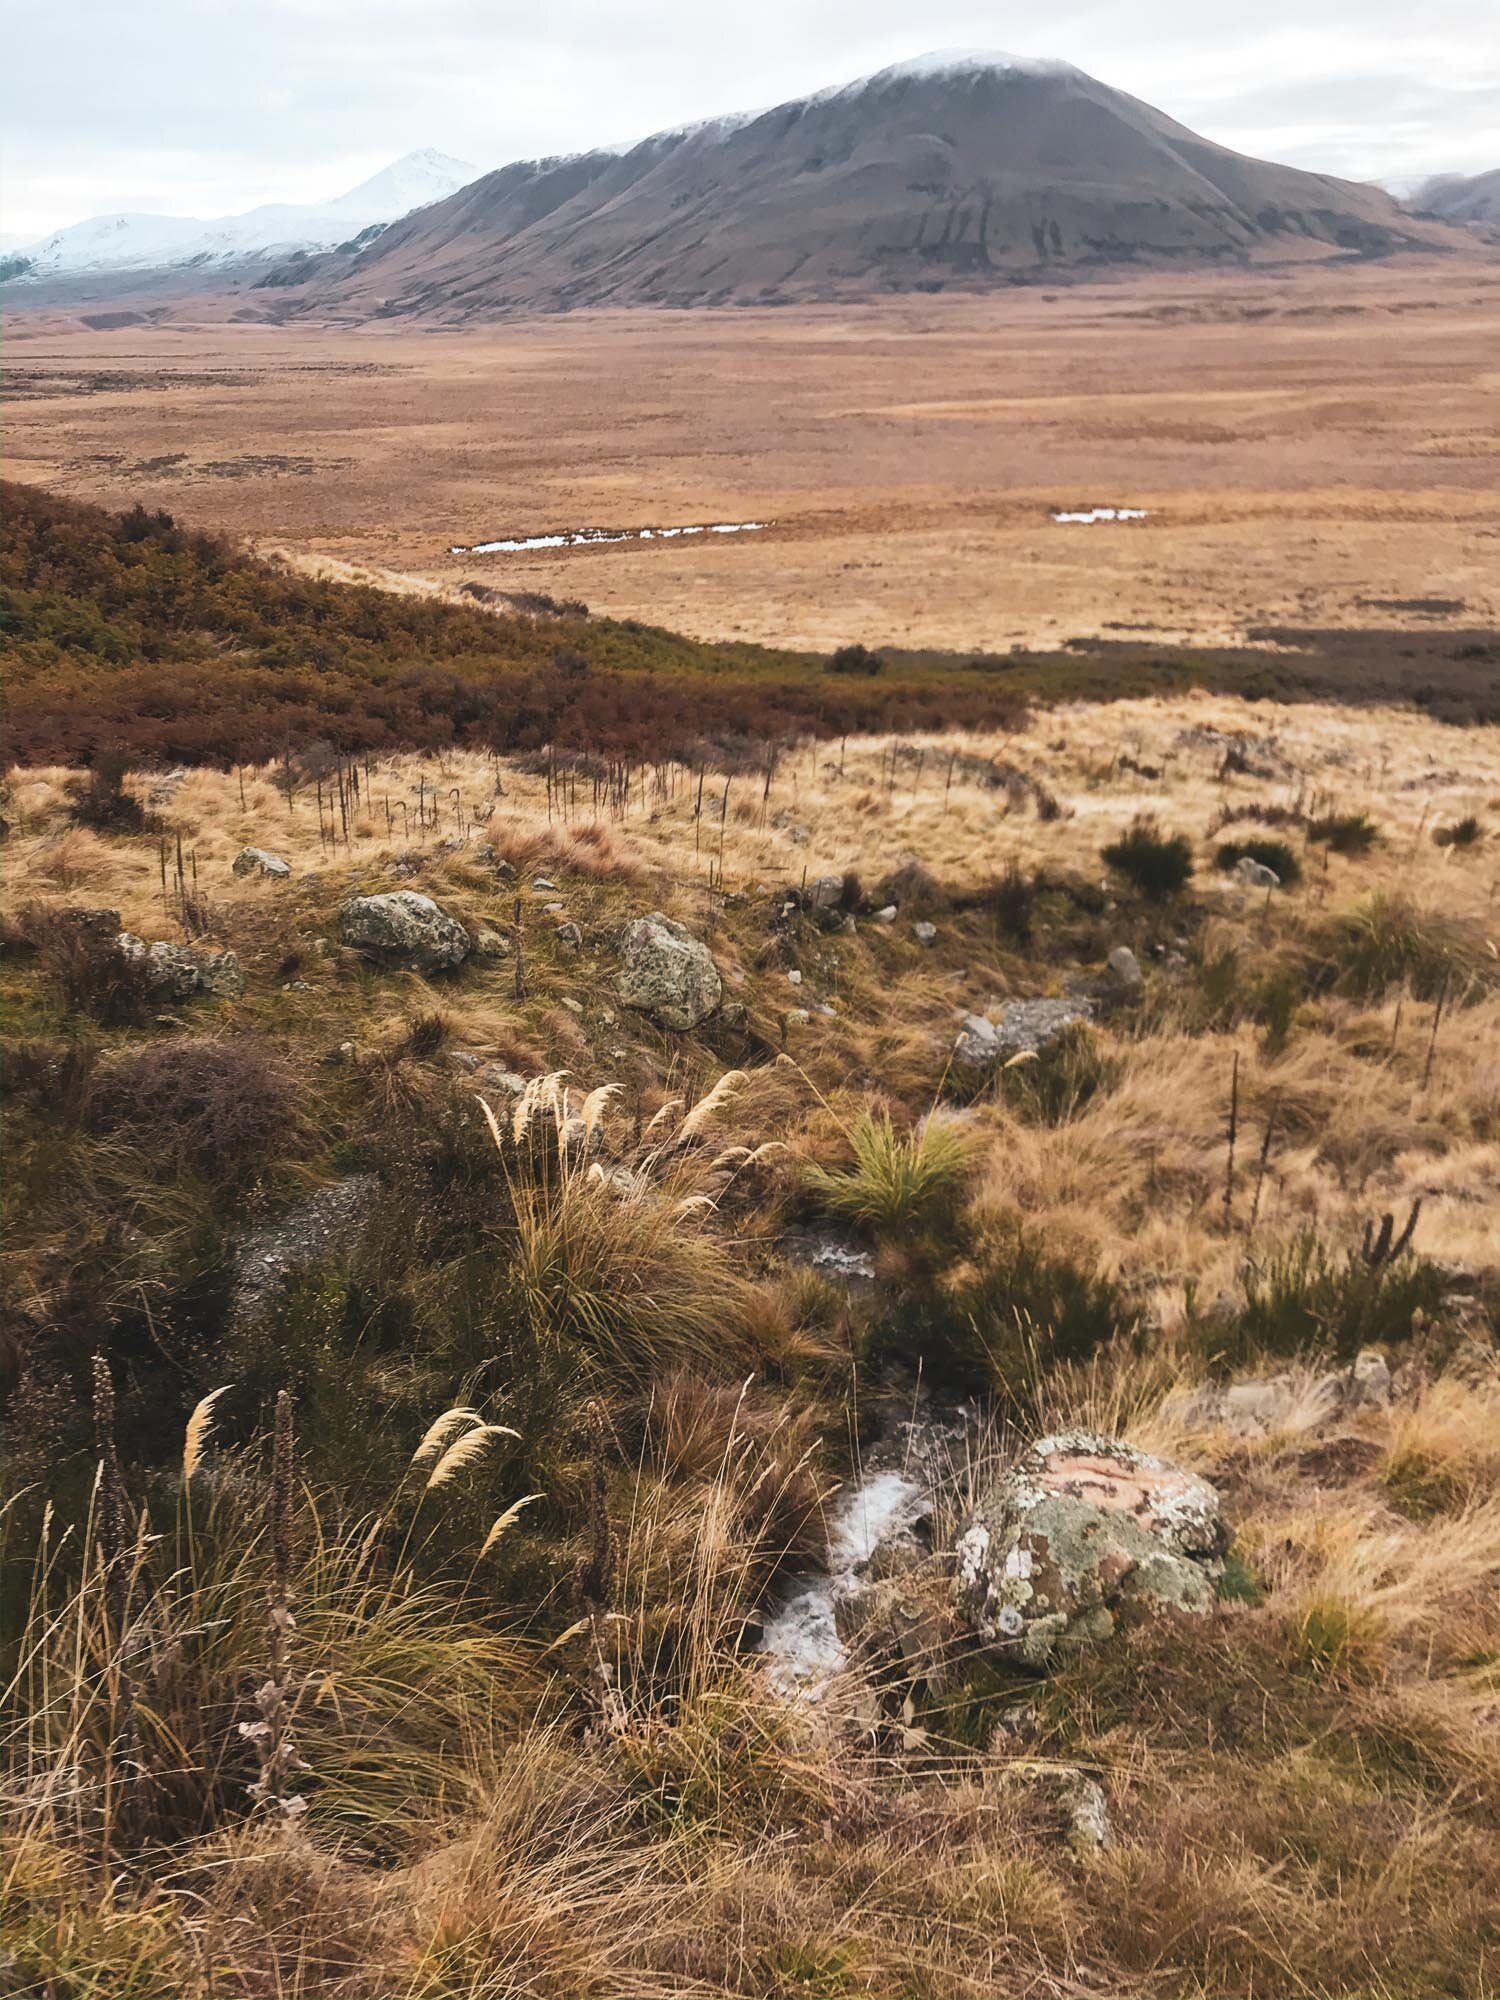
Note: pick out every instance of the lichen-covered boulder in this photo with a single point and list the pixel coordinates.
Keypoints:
(667, 973)
(405, 926)
(175, 973)
(256, 861)
(1081, 1526)
(1024, 1027)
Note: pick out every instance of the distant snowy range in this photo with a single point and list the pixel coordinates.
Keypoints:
(132, 242)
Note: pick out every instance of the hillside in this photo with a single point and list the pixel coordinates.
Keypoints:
(490, 1469)
(950, 171)
(129, 244)
(1461, 198)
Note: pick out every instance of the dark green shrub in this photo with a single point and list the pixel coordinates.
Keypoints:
(855, 660)
(1344, 833)
(1467, 832)
(1156, 864)
(1067, 1074)
(1000, 1329)
(1273, 854)
(101, 803)
(1308, 1299)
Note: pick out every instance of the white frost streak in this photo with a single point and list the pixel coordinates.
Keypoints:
(1089, 515)
(594, 536)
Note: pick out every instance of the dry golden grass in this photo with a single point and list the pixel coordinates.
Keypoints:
(1303, 1789)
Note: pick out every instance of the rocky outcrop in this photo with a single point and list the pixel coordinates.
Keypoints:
(175, 973)
(1258, 1405)
(256, 861)
(404, 927)
(667, 973)
(1081, 1526)
(1024, 1027)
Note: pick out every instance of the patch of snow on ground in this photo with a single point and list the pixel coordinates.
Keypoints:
(802, 1637)
(582, 536)
(1088, 515)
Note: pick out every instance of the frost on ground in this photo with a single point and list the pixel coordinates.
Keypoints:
(576, 538)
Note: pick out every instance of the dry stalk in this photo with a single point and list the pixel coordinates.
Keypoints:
(272, 1735)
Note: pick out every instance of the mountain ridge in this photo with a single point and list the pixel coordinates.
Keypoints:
(961, 168)
(133, 241)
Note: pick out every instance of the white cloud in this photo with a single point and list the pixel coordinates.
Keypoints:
(208, 106)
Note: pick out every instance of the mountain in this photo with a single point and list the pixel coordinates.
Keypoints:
(1460, 197)
(154, 242)
(962, 169)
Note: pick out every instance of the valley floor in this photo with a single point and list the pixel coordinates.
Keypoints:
(1309, 448)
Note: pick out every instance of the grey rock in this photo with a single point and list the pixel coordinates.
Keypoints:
(220, 973)
(491, 943)
(102, 925)
(1081, 1526)
(667, 973)
(495, 1076)
(541, 882)
(924, 933)
(977, 1045)
(404, 926)
(1075, 1796)
(1125, 971)
(794, 977)
(461, 1059)
(1253, 874)
(570, 937)
(256, 861)
(1024, 1027)
(172, 971)
(887, 915)
(796, 1017)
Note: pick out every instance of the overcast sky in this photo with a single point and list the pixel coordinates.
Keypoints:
(206, 107)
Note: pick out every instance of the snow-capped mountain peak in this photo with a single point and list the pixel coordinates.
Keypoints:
(275, 230)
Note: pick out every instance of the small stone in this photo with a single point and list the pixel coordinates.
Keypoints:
(794, 977)
(796, 1017)
(1125, 970)
(494, 1076)
(887, 915)
(551, 909)
(573, 1006)
(1254, 874)
(256, 861)
(924, 933)
(461, 1059)
(492, 943)
(541, 882)
(570, 937)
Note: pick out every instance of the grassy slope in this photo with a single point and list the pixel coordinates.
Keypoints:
(129, 632)
(1303, 1789)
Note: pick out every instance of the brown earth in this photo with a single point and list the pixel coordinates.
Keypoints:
(1317, 448)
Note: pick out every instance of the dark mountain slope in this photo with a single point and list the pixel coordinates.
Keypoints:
(964, 171)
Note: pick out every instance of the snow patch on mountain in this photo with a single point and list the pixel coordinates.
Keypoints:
(132, 242)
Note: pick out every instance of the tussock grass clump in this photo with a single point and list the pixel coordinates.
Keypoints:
(1388, 940)
(902, 1184)
(1465, 832)
(1277, 855)
(1158, 865)
(86, 968)
(1344, 833)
